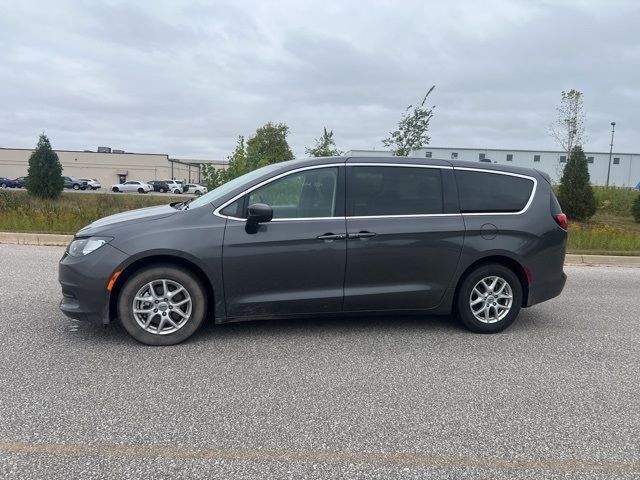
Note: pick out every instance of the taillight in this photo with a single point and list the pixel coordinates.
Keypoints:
(561, 219)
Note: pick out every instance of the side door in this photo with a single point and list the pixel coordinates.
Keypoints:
(405, 236)
(130, 187)
(294, 264)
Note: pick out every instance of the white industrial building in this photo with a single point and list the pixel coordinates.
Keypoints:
(625, 167)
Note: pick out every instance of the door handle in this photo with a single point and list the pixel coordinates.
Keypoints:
(332, 236)
(362, 234)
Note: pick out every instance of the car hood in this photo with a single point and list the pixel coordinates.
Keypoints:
(126, 218)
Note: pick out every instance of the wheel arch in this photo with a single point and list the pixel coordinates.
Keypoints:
(143, 262)
(505, 261)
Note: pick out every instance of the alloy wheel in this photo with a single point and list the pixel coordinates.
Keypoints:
(162, 307)
(491, 299)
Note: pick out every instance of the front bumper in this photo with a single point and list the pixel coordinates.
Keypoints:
(84, 283)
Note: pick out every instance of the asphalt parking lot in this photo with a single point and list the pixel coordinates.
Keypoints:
(555, 396)
(106, 190)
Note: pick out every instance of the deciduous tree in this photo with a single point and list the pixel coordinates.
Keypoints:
(325, 146)
(412, 129)
(568, 129)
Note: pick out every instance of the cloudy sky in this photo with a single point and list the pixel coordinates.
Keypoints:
(186, 78)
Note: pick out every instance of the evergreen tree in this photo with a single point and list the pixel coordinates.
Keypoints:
(575, 193)
(45, 171)
(635, 209)
(325, 146)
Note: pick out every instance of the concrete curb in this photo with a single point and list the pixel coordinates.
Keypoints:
(619, 260)
(63, 240)
(35, 239)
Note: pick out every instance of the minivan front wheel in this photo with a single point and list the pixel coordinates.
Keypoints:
(489, 298)
(162, 305)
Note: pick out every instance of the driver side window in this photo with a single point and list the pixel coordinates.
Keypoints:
(308, 194)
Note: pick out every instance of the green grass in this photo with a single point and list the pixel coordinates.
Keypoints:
(605, 234)
(615, 200)
(610, 231)
(20, 212)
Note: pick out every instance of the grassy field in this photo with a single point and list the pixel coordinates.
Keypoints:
(610, 231)
(19, 212)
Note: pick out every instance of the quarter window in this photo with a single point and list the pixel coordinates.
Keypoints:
(377, 191)
(308, 194)
(481, 192)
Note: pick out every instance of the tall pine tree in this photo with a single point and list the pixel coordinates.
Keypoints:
(45, 171)
(575, 193)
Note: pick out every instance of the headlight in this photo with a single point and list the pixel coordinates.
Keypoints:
(84, 246)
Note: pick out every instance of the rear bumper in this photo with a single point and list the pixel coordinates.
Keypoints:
(84, 283)
(542, 291)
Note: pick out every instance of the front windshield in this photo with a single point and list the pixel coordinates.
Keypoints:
(231, 185)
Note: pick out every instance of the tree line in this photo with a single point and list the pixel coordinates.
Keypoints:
(269, 145)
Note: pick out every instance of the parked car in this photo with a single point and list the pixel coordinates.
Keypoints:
(194, 188)
(75, 183)
(92, 183)
(316, 237)
(159, 185)
(174, 187)
(132, 186)
(21, 181)
(8, 183)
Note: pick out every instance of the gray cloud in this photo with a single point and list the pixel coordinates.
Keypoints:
(188, 78)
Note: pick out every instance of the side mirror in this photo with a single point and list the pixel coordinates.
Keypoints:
(259, 213)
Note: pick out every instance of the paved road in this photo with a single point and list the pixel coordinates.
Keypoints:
(555, 396)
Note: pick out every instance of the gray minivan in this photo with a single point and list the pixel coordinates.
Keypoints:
(326, 236)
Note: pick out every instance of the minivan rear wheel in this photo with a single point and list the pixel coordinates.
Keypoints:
(489, 298)
(162, 305)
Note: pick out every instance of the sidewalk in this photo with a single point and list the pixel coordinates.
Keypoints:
(63, 240)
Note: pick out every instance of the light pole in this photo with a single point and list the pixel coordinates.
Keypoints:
(613, 130)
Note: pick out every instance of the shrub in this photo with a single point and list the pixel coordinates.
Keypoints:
(635, 209)
(45, 171)
(575, 193)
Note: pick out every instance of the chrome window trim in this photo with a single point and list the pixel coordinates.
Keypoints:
(381, 164)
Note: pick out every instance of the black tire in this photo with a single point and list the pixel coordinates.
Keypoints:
(177, 191)
(115, 189)
(463, 298)
(76, 186)
(141, 190)
(169, 272)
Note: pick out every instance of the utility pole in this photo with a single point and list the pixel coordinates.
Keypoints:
(613, 130)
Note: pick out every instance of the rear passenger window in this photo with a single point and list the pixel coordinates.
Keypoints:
(481, 192)
(395, 191)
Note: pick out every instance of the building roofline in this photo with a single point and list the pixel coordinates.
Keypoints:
(506, 150)
(180, 160)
